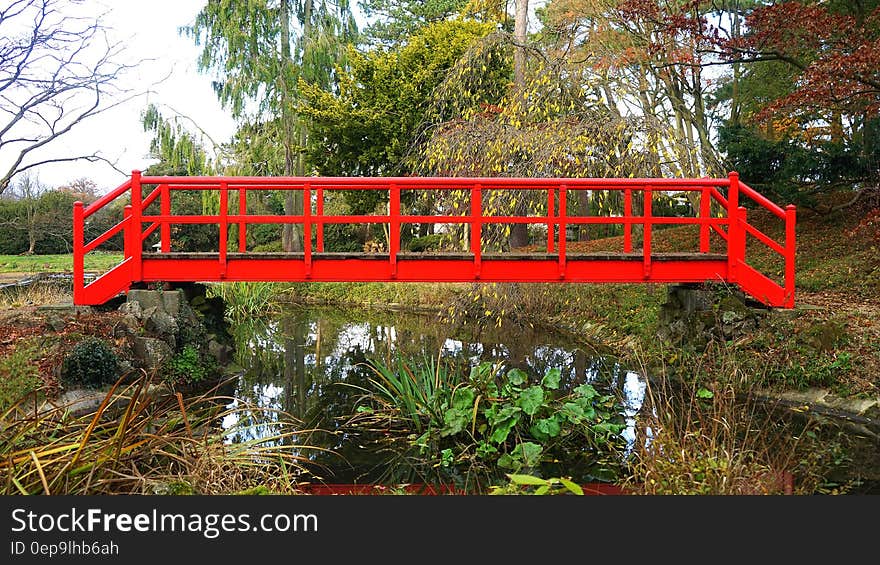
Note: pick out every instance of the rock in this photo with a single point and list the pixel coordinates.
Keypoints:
(133, 308)
(56, 322)
(164, 326)
(690, 299)
(218, 351)
(825, 336)
(150, 352)
(79, 402)
(76, 402)
(167, 301)
(694, 316)
(65, 308)
(127, 326)
(145, 298)
(171, 301)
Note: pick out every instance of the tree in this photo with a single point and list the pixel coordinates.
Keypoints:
(651, 57)
(366, 124)
(808, 97)
(56, 71)
(836, 55)
(41, 215)
(393, 21)
(179, 152)
(258, 61)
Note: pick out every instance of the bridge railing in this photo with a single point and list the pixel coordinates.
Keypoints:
(718, 211)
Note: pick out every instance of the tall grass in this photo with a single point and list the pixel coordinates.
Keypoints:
(247, 299)
(140, 442)
(415, 389)
(35, 294)
(715, 439)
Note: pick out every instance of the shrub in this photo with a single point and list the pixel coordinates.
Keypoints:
(91, 362)
(187, 367)
(426, 243)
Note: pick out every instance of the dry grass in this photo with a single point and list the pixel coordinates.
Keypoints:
(717, 440)
(138, 442)
(35, 294)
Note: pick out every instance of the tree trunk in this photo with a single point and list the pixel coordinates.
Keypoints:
(519, 233)
(520, 26)
(291, 235)
(583, 200)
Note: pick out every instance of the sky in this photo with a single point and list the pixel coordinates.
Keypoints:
(168, 75)
(149, 30)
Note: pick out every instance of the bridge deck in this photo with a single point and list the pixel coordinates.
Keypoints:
(434, 267)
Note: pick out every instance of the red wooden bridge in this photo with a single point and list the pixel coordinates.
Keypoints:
(718, 211)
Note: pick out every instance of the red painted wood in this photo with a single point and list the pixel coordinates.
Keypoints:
(346, 489)
(559, 266)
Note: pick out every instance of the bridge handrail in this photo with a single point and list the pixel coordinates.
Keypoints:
(452, 183)
(106, 199)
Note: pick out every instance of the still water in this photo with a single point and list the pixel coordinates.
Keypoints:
(313, 364)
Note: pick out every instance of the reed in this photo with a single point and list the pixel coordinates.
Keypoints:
(716, 439)
(245, 300)
(139, 441)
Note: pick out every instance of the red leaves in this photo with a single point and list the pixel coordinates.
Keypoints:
(838, 56)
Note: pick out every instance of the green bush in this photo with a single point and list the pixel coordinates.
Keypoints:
(91, 362)
(426, 243)
(188, 366)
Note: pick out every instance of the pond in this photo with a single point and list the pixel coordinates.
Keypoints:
(314, 364)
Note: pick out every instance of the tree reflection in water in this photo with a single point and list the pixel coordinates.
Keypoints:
(310, 366)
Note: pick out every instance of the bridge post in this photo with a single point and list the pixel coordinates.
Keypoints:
(476, 226)
(705, 216)
(563, 227)
(165, 230)
(78, 259)
(740, 244)
(627, 215)
(393, 227)
(128, 238)
(307, 228)
(135, 229)
(224, 227)
(646, 236)
(551, 205)
(319, 212)
(242, 225)
(734, 230)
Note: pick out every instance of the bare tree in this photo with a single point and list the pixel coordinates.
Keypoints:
(56, 70)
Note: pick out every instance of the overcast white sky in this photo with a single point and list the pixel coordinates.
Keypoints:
(149, 30)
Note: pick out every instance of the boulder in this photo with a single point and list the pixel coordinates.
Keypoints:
(150, 352)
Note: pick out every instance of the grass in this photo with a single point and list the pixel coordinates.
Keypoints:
(722, 441)
(143, 442)
(62, 263)
(35, 294)
(245, 300)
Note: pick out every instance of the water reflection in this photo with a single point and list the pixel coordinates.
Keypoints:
(312, 363)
